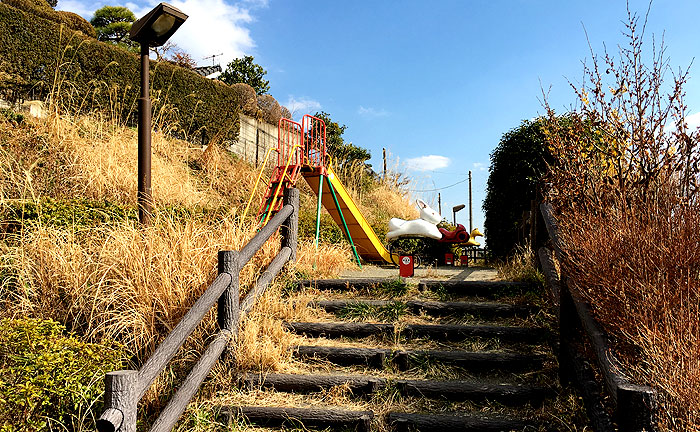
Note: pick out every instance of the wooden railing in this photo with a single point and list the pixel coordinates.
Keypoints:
(124, 388)
(633, 406)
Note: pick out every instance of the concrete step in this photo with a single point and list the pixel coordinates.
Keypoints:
(475, 390)
(357, 384)
(436, 308)
(453, 390)
(405, 422)
(300, 417)
(487, 289)
(438, 332)
(377, 358)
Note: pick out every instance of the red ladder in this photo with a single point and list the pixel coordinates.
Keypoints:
(290, 158)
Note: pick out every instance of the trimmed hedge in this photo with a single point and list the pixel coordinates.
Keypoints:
(518, 163)
(41, 57)
(41, 8)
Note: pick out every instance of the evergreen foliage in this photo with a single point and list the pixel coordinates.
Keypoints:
(248, 72)
(43, 9)
(49, 379)
(343, 153)
(112, 24)
(517, 165)
(40, 57)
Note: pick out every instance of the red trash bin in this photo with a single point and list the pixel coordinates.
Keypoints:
(449, 259)
(406, 266)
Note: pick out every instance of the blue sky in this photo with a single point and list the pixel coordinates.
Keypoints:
(435, 83)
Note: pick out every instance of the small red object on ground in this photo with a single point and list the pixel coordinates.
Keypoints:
(464, 260)
(449, 259)
(406, 266)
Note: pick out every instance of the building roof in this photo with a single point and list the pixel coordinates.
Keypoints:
(207, 70)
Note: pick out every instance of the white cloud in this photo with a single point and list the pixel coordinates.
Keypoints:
(83, 8)
(693, 121)
(213, 26)
(479, 166)
(372, 112)
(427, 163)
(301, 106)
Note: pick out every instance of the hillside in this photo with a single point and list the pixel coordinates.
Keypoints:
(72, 250)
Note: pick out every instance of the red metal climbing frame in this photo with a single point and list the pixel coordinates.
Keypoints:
(315, 142)
(290, 159)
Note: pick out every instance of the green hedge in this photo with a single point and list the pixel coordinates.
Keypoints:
(41, 8)
(518, 165)
(39, 57)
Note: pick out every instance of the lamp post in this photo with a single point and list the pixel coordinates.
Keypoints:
(152, 30)
(455, 209)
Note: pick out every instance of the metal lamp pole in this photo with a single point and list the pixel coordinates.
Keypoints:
(145, 197)
(151, 30)
(455, 209)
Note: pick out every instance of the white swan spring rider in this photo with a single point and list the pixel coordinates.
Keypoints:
(426, 226)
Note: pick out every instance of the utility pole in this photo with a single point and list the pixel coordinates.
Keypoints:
(439, 204)
(384, 156)
(471, 227)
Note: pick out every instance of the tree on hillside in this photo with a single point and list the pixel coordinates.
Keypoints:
(343, 153)
(517, 165)
(112, 24)
(246, 71)
(172, 53)
(52, 3)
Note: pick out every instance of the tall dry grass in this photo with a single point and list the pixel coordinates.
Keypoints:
(625, 183)
(379, 199)
(67, 156)
(120, 281)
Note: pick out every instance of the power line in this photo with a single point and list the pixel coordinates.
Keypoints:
(437, 189)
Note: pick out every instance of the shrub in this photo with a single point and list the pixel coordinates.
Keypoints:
(49, 380)
(329, 231)
(44, 58)
(517, 164)
(628, 199)
(42, 9)
(270, 109)
(79, 212)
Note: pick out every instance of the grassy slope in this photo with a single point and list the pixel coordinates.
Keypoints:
(72, 250)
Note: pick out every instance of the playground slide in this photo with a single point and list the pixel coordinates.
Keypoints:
(368, 245)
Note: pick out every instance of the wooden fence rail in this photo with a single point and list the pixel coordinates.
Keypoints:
(633, 405)
(124, 388)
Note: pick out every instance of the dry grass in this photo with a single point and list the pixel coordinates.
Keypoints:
(520, 267)
(67, 156)
(646, 290)
(626, 187)
(122, 282)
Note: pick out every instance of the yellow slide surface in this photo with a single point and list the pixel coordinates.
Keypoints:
(368, 245)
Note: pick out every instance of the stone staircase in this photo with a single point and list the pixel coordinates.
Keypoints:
(442, 356)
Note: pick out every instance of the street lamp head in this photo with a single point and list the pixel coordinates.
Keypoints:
(157, 26)
(458, 208)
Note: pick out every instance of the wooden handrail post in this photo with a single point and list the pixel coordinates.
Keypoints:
(228, 308)
(290, 229)
(121, 400)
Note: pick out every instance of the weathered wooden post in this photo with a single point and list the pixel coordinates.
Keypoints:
(228, 308)
(635, 408)
(121, 399)
(290, 229)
